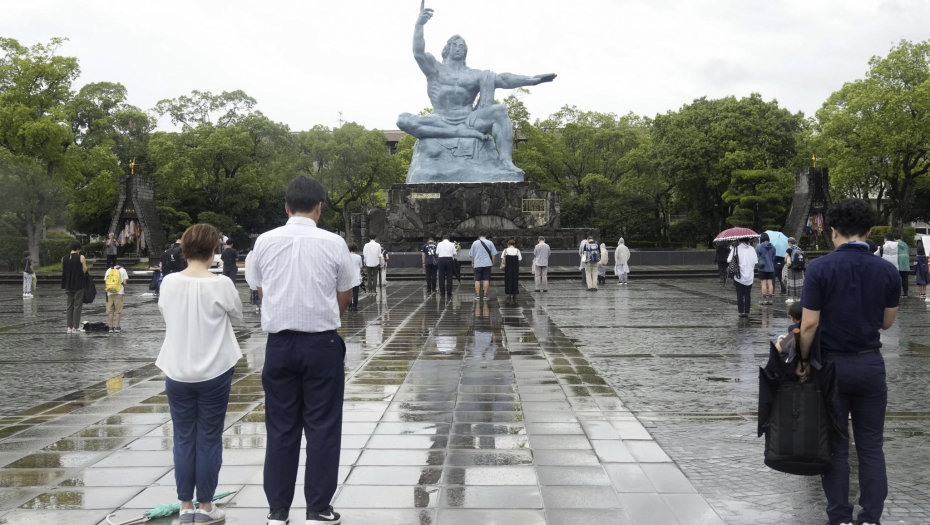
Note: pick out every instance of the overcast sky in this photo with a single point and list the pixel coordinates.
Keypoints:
(306, 60)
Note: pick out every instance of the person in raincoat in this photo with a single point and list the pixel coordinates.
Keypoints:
(621, 260)
(602, 267)
(765, 252)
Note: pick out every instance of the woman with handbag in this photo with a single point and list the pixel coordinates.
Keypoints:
(73, 270)
(743, 277)
(510, 263)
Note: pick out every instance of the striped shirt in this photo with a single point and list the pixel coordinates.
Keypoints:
(300, 268)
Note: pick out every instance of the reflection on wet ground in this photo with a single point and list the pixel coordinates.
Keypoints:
(457, 411)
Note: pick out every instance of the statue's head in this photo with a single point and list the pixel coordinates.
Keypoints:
(455, 48)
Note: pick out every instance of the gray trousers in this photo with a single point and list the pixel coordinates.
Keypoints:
(75, 304)
(372, 273)
(590, 270)
(27, 282)
(542, 277)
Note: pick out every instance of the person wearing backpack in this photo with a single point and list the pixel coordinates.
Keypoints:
(115, 285)
(795, 270)
(430, 264)
(173, 259)
(591, 258)
(73, 272)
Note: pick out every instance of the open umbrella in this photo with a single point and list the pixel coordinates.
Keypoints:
(163, 511)
(779, 241)
(735, 233)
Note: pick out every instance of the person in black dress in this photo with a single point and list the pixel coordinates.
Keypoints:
(73, 268)
(510, 260)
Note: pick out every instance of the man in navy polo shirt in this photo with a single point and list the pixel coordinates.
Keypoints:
(850, 295)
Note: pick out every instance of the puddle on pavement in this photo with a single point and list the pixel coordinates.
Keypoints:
(28, 478)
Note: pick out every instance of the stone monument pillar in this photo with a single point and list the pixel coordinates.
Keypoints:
(137, 202)
(811, 199)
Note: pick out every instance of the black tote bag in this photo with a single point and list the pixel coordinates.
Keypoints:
(90, 290)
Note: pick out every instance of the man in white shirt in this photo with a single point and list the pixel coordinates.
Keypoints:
(445, 252)
(371, 254)
(541, 260)
(305, 277)
(115, 298)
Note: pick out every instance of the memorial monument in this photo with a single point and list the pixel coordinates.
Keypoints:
(462, 179)
(453, 143)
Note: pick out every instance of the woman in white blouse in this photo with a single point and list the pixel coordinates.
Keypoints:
(198, 357)
(510, 261)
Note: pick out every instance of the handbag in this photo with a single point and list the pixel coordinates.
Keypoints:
(733, 267)
(90, 290)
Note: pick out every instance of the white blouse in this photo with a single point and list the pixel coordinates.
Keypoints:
(512, 251)
(199, 340)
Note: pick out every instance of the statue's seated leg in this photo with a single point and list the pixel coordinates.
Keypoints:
(433, 126)
(494, 118)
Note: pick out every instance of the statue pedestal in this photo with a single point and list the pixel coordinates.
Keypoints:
(458, 160)
(504, 210)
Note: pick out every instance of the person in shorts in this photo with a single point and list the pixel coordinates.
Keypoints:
(115, 299)
(765, 254)
(482, 259)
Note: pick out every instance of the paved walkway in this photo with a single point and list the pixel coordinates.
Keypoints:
(456, 412)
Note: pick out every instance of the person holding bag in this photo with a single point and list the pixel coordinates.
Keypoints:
(198, 358)
(73, 280)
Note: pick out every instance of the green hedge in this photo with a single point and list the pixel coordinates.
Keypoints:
(908, 234)
(12, 248)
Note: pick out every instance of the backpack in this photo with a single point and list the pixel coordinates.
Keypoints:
(176, 262)
(797, 259)
(113, 282)
(592, 253)
(733, 267)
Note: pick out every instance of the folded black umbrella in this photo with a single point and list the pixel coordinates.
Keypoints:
(801, 421)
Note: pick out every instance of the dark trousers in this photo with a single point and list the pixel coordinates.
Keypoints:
(584, 279)
(722, 271)
(198, 411)
(354, 303)
(231, 273)
(304, 386)
(779, 268)
(743, 297)
(864, 394)
(446, 269)
(431, 270)
(111, 261)
(904, 282)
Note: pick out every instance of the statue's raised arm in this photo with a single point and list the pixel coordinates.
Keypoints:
(425, 60)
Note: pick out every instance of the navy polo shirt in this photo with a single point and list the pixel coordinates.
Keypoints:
(851, 288)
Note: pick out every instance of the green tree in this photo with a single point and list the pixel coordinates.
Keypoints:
(876, 130)
(704, 142)
(760, 198)
(352, 163)
(40, 155)
(224, 164)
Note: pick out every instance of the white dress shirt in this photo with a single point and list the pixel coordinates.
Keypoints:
(372, 254)
(300, 268)
(200, 344)
(445, 249)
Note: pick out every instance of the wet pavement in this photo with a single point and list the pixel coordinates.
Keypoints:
(634, 405)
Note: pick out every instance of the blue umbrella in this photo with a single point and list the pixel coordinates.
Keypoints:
(778, 240)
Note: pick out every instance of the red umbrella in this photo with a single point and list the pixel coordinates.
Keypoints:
(735, 233)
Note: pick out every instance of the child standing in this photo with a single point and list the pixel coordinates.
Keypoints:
(923, 273)
(357, 261)
(27, 275)
(785, 344)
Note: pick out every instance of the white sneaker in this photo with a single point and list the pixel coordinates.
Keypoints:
(216, 515)
(70, 330)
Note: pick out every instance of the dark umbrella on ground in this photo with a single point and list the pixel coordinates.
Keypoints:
(162, 511)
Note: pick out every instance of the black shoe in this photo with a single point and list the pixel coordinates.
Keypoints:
(537, 291)
(277, 517)
(329, 516)
(545, 291)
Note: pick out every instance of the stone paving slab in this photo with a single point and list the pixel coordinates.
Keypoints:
(456, 411)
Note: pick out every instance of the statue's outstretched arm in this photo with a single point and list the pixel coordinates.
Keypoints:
(511, 81)
(425, 60)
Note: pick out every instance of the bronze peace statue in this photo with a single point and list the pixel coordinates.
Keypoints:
(453, 143)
